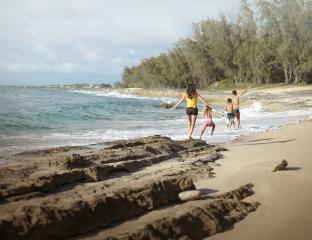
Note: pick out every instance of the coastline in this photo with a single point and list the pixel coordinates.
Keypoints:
(275, 207)
(71, 182)
(285, 196)
(273, 99)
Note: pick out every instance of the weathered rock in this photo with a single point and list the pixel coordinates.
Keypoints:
(189, 195)
(60, 217)
(59, 193)
(48, 151)
(70, 162)
(239, 193)
(98, 173)
(190, 220)
(35, 175)
(281, 166)
(196, 223)
(221, 149)
(166, 105)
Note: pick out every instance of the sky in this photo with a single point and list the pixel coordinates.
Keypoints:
(91, 41)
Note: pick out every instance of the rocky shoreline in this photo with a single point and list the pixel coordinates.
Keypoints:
(118, 190)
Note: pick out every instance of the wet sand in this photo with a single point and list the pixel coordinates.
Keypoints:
(285, 196)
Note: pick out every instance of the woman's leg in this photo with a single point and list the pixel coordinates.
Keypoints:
(189, 122)
(193, 120)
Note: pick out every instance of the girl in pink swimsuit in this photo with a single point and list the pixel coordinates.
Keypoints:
(208, 122)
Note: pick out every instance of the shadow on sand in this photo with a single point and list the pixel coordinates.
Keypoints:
(260, 140)
(206, 192)
(292, 168)
(270, 142)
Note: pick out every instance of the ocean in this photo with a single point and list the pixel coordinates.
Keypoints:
(35, 118)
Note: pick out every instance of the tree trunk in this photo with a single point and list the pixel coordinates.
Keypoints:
(290, 75)
(297, 76)
(286, 74)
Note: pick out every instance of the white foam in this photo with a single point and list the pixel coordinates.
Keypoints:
(254, 120)
(117, 94)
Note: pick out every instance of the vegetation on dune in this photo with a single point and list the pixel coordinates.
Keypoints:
(274, 47)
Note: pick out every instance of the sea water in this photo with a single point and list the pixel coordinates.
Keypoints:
(34, 118)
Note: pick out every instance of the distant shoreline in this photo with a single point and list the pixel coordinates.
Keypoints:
(273, 99)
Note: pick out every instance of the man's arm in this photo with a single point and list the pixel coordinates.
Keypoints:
(245, 90)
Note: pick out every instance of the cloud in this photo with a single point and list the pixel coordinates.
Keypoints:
(95, 36)
(49, 54)
(131, 51)
(65, 67)
(92, 56)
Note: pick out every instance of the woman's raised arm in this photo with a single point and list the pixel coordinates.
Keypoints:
(179, 102)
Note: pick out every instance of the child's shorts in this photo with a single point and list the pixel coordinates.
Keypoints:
(230, 116)
(236, 114)
(208, 124)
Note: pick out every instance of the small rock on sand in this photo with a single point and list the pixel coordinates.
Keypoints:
(189, 195)
(281, 166)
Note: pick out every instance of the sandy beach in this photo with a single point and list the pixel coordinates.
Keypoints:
(285, 196)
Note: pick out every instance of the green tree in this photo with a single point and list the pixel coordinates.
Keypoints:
(275, 48)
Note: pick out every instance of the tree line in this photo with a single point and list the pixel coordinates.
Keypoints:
(273, 46)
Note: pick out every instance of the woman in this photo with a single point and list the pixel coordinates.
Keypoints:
(191, 97)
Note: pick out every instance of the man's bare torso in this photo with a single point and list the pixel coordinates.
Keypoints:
(235, 101)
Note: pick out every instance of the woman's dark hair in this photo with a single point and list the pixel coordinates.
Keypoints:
(229, 100)
(191, 90)
(234, 92)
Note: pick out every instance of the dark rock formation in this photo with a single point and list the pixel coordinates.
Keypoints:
(75, 212)
(70, 162)
(192, 220)
(71, 191)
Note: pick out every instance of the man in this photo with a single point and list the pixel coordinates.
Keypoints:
(235, 102)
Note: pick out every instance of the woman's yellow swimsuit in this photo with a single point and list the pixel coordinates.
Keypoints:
(191, 106)
(191, 102)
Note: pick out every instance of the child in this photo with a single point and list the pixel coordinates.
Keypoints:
(229, 110)
(207, 113)
(235, 100)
